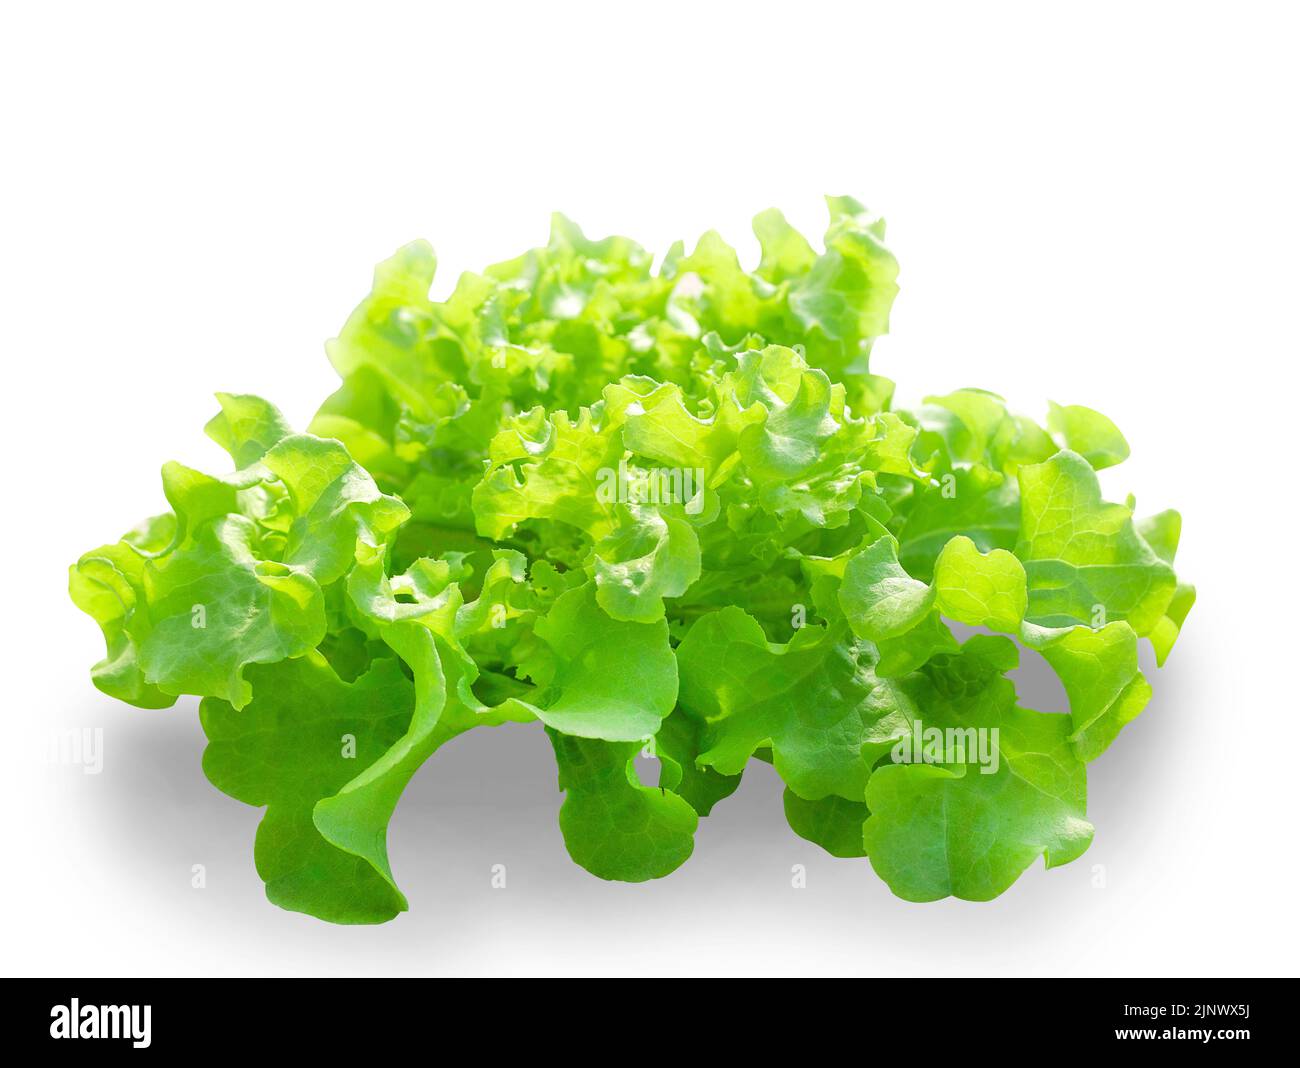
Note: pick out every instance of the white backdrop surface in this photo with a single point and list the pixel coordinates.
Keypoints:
(1091, 203)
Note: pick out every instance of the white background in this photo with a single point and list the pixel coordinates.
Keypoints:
(1092, 203)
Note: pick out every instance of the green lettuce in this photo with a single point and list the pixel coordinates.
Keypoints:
(664, 510)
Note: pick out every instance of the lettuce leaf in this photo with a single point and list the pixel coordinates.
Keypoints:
(659, 507)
